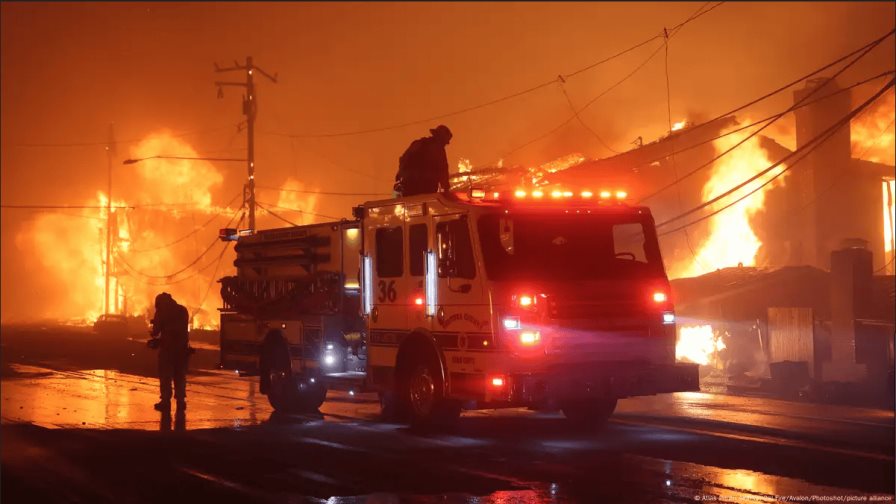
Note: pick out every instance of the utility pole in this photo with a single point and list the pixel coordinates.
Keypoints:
(110, 149)
(250, 109)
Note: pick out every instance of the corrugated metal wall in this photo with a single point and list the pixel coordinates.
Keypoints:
(790, 336)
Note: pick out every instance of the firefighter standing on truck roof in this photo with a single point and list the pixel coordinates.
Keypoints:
(170, 334)
(423, 168)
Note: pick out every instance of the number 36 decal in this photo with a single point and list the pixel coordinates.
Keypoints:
(387, 292)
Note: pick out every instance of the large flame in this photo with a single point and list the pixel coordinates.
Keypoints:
(872, 134)
(873, 138)
(698, 344)
(171, 198)
(731, 240)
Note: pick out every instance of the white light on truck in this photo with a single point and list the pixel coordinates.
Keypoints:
(511, 323)
(367, 280)
(329, 360)
(668, 318)
(431, 279)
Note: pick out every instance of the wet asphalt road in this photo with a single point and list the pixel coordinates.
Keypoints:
(78, 426)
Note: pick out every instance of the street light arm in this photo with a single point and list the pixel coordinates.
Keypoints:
(229, 69)
(272, 78)
(133, 161)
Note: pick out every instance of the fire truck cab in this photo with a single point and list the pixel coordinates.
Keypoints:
(441, 302)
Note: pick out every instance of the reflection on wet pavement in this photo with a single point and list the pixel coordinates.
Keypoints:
(665, 448)
(113, 400)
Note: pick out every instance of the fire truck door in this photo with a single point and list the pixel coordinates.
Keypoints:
(418, 248)
(462, 316)
(390, 298)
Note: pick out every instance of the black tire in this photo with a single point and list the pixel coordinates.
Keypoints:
(590, 415)
(291, 394)
(422, 392)
(286, 392)
(392, 409)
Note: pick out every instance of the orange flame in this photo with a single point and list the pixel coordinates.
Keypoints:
(172, 198)
(872, 134)
(731, 240)
(698, 344)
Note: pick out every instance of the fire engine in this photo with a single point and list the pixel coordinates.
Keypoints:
(442, 302)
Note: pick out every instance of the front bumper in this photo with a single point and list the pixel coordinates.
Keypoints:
(600, 380)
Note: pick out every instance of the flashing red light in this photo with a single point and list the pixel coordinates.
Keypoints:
(660, 297)
(477, 193)
(621, 194)
(605, 194)
(526, 300)
(587, 194)
(519, 193)
(497, 381)
(538, 193)
(418, 300)
(530, 338)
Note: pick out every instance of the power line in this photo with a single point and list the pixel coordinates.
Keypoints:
(760, 121)
(859, 55)
(804, 151)
(215, 273)
(136, 274)
(582, 122)
(687, 236)
(843, 175)
(213, 277)
(188, 266)
(590, 102)
(493, 101)
(322, 193)
(274, 214)
(66, 214)
(117, 142)
(887, 264)
(75, 207)
(194, 231)
(330, 217)
(579, 110)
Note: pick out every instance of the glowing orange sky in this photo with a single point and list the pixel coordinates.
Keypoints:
(70, 69)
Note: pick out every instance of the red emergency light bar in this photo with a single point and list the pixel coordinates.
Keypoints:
(540, 195)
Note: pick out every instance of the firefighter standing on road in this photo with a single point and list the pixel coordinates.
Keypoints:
(170, 334)
(423, 168)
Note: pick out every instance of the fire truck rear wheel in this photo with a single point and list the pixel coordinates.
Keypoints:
(589, 415)
(286, 392)
(290, 394)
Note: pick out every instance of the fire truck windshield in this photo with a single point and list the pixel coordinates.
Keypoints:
(568, 247)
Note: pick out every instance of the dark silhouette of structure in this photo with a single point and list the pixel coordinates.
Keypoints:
(423, 168)
(170, 334)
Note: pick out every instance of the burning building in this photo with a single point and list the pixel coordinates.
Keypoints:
(757, 285)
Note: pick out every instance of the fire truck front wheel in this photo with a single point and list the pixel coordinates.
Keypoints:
(424, 396)
(589, 414)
